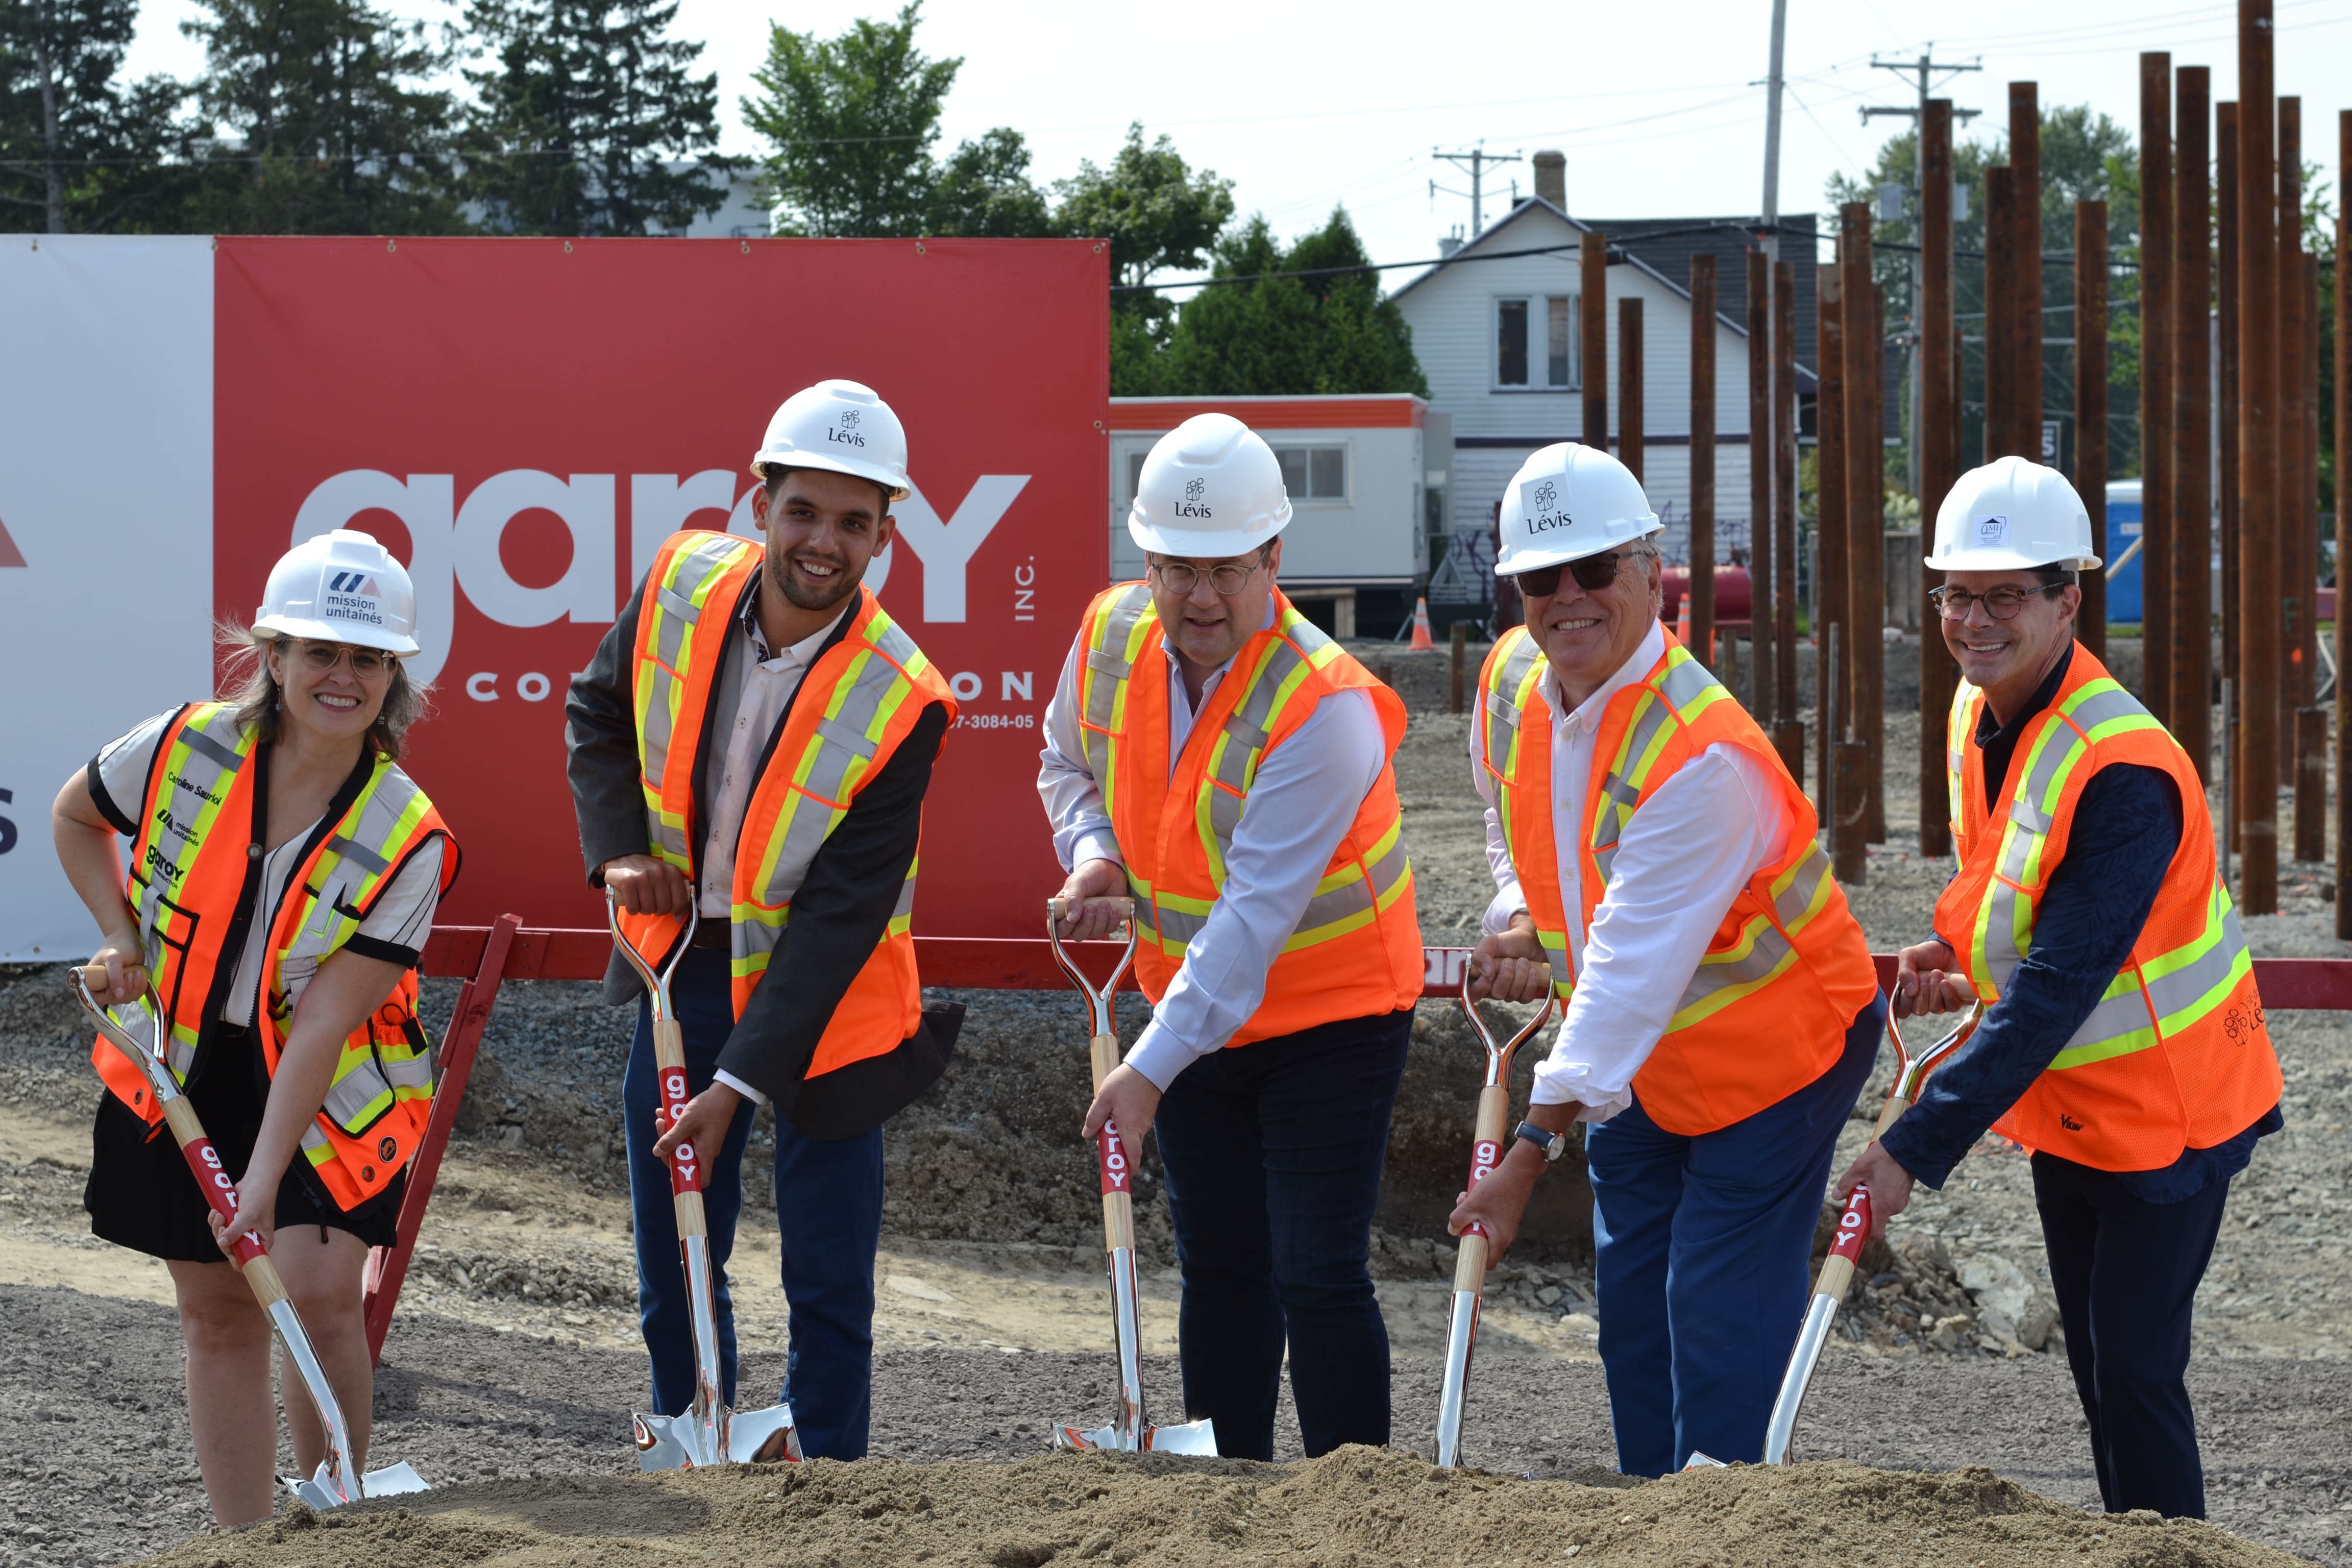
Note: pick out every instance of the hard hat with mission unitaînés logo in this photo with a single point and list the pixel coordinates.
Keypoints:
(1569, 500)
(1211, 488)
(2010, 514)
(840, 426)
(340, 586)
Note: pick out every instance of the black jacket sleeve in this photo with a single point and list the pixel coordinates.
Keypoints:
(600, 739)
(838, 917)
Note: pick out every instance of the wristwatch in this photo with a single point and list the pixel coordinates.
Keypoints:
(1553, 1144)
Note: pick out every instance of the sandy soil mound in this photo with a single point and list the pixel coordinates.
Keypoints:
(1355, 1506)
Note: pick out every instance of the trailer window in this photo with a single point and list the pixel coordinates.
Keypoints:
(1510, 343)
(1313, 473)
(1561, 363)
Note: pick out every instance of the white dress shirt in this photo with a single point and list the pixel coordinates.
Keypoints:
(1304, 798)
(769, 681)
(1698, 839)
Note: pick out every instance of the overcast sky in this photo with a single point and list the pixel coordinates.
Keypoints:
(1658, 105)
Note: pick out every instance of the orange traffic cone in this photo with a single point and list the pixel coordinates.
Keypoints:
(1421, 640)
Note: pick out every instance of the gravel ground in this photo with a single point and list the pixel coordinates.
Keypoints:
(96, 1468)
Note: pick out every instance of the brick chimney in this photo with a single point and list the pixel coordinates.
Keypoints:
(1552, 178)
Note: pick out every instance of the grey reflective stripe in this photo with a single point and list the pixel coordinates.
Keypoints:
(1769, 950)
(1177, 928)
(211, 770)
(361, 1095)
(2194, 982)
(1618, 797)
(1794, 902)
(1102, 697)
(1510, 676)
(1357, 895)
(1685, 681)
(677, 603)
(225, 757)
(351, 849)
(906, 904)
(834, 732)
(179, 1055)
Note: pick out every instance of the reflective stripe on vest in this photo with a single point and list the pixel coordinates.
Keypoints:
(201, 756)
(673, 611)
(844, 748)
(1348, 896)
(1510, 692)
(2165, 993)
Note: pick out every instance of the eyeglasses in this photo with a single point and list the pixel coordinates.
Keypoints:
(1592, 573)
(2001, 604)
(1227, 577)
(366, 663)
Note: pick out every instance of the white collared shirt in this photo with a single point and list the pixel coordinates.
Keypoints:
(769, 681)
(1694, 844)
(1302, 802)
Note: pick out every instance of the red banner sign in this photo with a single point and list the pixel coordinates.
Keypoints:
(524, 421)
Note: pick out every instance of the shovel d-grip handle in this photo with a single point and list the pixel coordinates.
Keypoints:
(1911, 1071)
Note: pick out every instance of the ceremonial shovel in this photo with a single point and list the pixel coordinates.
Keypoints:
(338, 1478)
(707, 1432)
(1853, 1228)
(1128, 1432)
(1470, 1262)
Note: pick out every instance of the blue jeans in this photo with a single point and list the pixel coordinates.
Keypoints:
(1274, 1153)
(828, 1215)
(1702, 1248)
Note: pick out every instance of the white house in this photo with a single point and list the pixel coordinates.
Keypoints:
(1499, 337)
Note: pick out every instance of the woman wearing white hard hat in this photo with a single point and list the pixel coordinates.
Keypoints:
(2121, 1039)
(1657, 869)
(284, 874)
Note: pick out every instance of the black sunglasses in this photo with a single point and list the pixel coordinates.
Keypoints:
(1592, 573)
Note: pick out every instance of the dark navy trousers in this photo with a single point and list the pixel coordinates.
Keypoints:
(2125, 1272)
(828, 1214)
(1703, 1248)
(1273, 1153)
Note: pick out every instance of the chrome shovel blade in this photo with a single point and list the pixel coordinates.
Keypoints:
(1198, 1438)
(751, 1438)
(324, 1490)
(1699, 1461)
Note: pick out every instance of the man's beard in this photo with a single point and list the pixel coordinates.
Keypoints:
(804, 595)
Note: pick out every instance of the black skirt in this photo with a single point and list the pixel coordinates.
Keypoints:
(142, 1194)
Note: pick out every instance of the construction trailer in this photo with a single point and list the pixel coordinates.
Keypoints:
(1358, 467)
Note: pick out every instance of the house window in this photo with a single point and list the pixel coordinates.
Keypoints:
(1560, 364)
(1313, 473)
(1510, 343)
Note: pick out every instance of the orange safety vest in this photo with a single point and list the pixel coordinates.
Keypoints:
(2177, 1055)
(851, 712)
(1787, 971)
(188, 870)
(1356, 951)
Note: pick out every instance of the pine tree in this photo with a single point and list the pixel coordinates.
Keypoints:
(852, 122)
(335, 132)
(80, 150)
(589, 120)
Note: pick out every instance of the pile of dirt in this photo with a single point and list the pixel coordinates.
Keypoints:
(1356, 1506)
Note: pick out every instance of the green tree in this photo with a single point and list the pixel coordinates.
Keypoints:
(1158, 215)
(1311, 320)
(983, 191)
(589, 119)
(851, 121)
(80, 148)
(334, 129)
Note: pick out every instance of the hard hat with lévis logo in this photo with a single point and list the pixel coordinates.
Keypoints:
(1211, 488)
(842, 427)
(1569, 500)
(340, 586)
(2012, 513)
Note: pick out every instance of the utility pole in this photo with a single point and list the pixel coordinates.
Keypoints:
(1772, 84)
(1927, 68)
(1475, 161)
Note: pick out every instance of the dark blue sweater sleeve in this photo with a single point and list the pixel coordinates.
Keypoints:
(2127, 829)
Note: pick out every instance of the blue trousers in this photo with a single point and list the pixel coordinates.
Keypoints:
(2126, 1273)
(1274, 1153)
(1702, 1251)
(828, 1215)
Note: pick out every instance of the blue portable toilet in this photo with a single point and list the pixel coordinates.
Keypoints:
(2122, 535)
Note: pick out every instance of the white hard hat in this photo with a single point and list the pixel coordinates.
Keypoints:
(842, 427)
(340, 586)
(1211, 487)
(1569, 500)
(2012, 513)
